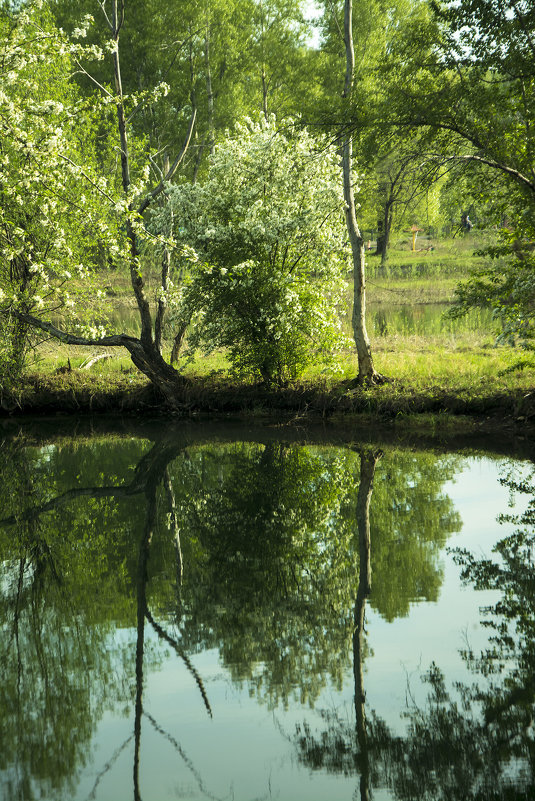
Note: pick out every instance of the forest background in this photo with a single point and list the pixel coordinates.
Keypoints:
(212, 188)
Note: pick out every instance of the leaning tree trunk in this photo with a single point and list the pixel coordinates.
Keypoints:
(144, 351)
(367, 373)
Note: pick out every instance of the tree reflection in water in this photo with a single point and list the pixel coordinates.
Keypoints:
(473, 742)
(249, 548)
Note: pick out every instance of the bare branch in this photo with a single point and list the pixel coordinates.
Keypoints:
(158, 189)
(83, 70)
(87, 178)
(102, 8)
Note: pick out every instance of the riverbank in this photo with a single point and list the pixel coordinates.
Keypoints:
(437, 368)
(487, 405)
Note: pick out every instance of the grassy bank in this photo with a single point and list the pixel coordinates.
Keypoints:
(452, 368)
(492, 386)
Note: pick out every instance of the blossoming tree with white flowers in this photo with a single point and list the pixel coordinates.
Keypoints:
(47, 216)
(58, 202)
(268, 228)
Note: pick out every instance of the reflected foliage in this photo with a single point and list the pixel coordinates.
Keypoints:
(249, 548)
(469, 741)
(62, 584)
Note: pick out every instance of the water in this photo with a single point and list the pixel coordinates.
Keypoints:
(425, 320)
(187, 613)
(382, 319)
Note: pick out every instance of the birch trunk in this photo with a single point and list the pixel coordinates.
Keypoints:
(209, 91)
(368, 463)
(367, 371)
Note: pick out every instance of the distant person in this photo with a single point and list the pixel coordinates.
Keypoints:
(466, 223)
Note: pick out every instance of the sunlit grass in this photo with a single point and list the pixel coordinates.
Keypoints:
(412, 342)
(454, 361)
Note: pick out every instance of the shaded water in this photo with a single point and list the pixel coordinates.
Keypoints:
(241, 616)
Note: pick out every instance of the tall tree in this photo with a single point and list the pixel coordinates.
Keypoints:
(367, 372)
(452, 69)
(44, 138)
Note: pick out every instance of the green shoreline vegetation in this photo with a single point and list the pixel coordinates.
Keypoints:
(286, 230)
(454, 378)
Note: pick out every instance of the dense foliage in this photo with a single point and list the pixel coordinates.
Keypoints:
(141, 108)
(267, 225)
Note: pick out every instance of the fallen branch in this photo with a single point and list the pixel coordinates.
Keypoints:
(91, 360)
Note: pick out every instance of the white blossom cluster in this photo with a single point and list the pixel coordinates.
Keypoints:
(60, 205)
(268, 226)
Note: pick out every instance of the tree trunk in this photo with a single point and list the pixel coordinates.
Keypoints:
(385, 225)
(388, 228)
(380, 234)
(368, 461)
(263, 75)
(209, 91)
(367, 371)
(178, 342)
(362, 342)
(146, 352)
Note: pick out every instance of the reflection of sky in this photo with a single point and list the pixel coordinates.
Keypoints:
(243, 753)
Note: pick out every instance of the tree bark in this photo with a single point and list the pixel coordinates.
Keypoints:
(383, 240)
(368, 461)
(209, 91)
(263, 76)
(367, 373)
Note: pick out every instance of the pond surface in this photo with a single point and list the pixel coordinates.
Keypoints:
(254, 615)
(382, 319)
(425, 319)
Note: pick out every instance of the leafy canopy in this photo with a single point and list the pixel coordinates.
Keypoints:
(268, 227)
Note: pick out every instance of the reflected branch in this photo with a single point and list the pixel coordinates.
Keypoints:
(181, 653)
(115, 756)
(67, 497)
(148, 472)
(187, 761)
(173, 522)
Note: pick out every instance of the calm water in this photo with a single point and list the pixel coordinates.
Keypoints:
(229, 615)
(424, 320)
(382, 319)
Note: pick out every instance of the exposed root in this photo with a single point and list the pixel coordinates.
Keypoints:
(373, 380)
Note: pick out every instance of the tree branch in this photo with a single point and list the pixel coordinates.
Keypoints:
(502, 167)
(161, 186)
(113, 341)
(180, 651)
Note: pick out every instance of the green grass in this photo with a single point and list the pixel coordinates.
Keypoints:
(433, 258)
(456, 361)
